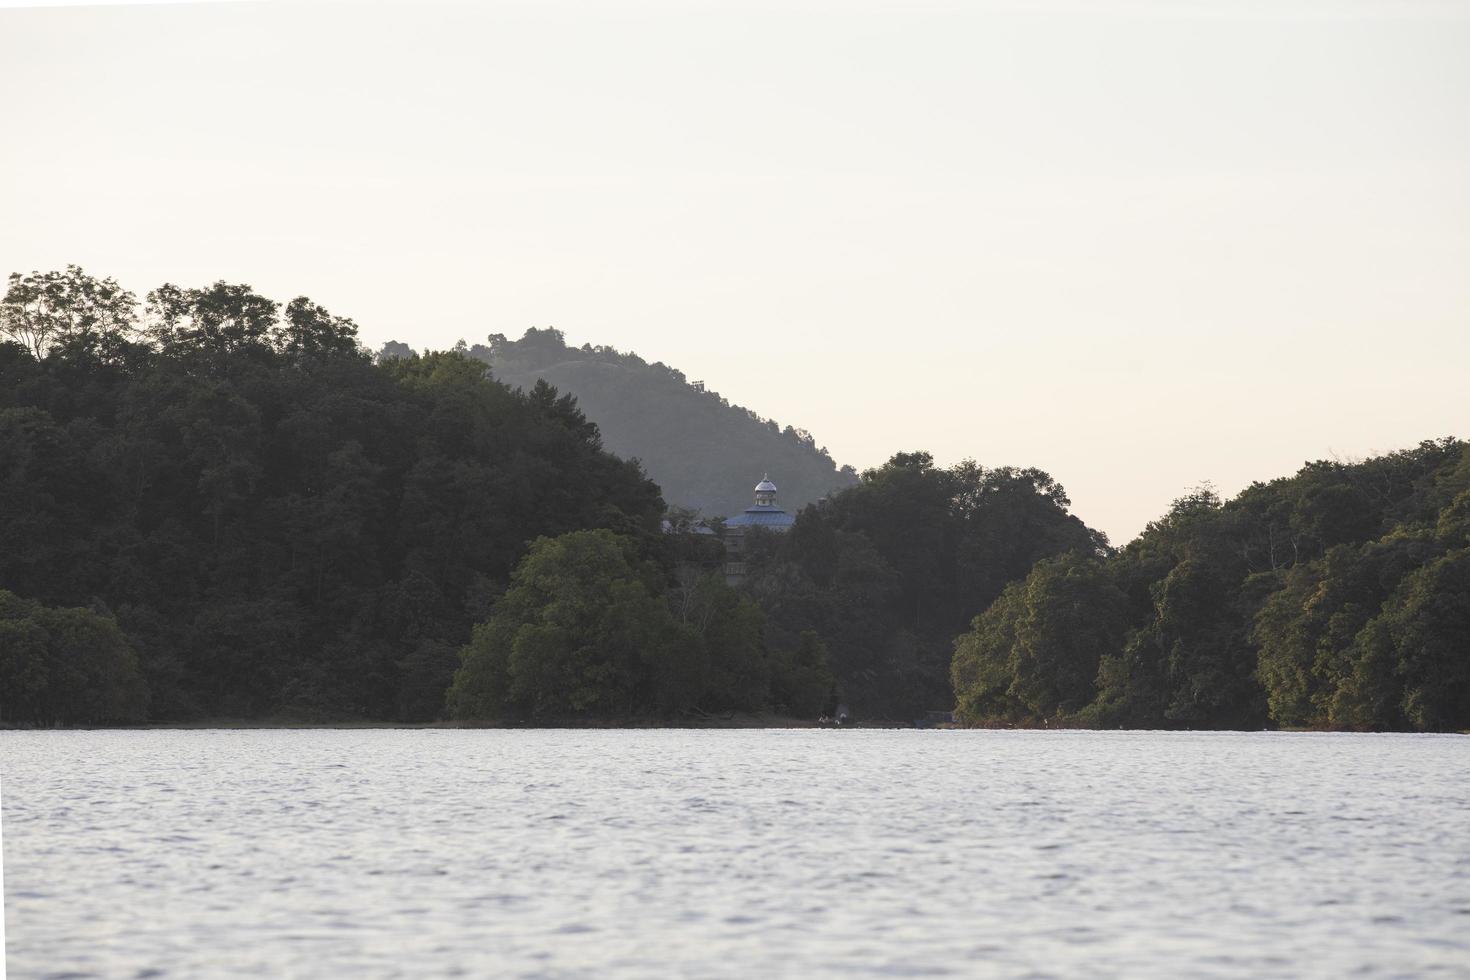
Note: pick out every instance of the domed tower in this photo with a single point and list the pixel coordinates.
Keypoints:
(764, 514)
(765, 492)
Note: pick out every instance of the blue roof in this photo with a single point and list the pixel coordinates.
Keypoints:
(761, 515)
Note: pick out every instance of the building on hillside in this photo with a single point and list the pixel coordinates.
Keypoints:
(765, 513)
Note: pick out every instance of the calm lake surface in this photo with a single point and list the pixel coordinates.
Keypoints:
(374, 853)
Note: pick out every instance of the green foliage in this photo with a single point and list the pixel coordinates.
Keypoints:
(1306, 630)
(66, 667)
(276, 523)
(704, 452)
(588, 628)
(1372, 634)
(279, 524)
(887, 572)
(1338, 598)
(1375, 636)
(1034, 654)
(70, 309)
(802, 684)
(566, 638)
(221, 319)
(1425, 631)
(393, 350)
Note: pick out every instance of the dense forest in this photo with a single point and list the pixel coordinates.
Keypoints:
(222, 507)
(216, 505)
(273, 522)
(592, 628)
(1336, 598)
(889, 571)
(705, 453)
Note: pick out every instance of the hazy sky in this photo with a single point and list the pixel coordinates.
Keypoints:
(1140, 244)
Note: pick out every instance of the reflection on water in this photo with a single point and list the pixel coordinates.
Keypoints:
(735, 853)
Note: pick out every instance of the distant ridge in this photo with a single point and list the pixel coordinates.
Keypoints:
(703, 451)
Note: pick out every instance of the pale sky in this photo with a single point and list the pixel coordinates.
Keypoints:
(1140, 244)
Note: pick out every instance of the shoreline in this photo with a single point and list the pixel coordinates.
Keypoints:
(732, 723)
(774, 722)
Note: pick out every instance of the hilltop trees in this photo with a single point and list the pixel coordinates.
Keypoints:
(67, 309)
(221, 506)
(1334, 599)
(1377, 634)
(276, 523)
(704, 452)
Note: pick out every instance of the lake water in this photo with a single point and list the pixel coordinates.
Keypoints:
(370, 853)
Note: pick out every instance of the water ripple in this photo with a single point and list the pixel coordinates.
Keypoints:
(734, 854)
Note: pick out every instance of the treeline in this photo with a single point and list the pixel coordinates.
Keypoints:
(704, 452)
(273, 523)
(591, 628)
(889, 571)
(216, 505)
(860, 602)
(1337, 598)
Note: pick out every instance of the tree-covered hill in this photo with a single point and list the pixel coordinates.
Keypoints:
(213, 504)
(888, 571)
(274, 522)
(1336, 598)
(705, 453)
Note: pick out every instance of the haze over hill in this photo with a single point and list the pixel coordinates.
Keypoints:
(704, 452)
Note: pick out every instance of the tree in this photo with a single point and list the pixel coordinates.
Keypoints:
(889, 571)
(280, 525)
(580, 631)
(1307, 629)
(311, 333)
(69, 308)
(1035, 653)
(66, 667)
(394, 351)
(801, 678)
(729, 629)
(1328, 599)
(1411, 664)
(218, 320)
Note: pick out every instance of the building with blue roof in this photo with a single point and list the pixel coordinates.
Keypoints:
(765, 513)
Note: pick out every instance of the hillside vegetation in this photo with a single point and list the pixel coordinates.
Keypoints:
(274, 523)
(704, 453)
(1336, 598)
(887, 572)
(216, 505)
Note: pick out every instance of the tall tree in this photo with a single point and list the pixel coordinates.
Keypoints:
(68, 308)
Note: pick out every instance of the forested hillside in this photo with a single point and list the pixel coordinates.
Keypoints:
(704, 453)
(1337, 598)
(274, 523)
(887, 572)
(216, 505)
